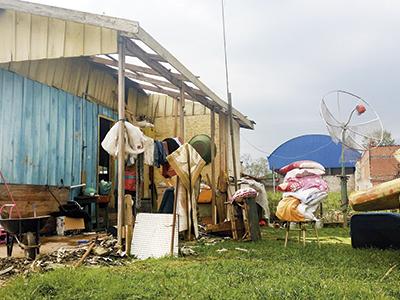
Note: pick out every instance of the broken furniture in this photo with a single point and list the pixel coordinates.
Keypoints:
(302, 231)
(243, 216)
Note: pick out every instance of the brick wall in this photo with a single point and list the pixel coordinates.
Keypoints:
(383, 166)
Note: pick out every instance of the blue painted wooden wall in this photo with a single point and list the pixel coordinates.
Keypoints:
(42, 130)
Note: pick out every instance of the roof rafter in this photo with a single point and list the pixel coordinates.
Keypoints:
(149, 41)
(131, 67)
(133, 49)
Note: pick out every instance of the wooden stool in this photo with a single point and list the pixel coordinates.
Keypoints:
(302, 231)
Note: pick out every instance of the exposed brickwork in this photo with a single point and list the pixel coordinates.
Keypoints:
(383, 165)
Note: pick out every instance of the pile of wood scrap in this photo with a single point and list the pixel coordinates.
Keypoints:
(100, 251)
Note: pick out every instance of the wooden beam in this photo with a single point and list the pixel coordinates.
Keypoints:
(213, 184)
(157, 82)
(176, 103)
(156, 57)
(128, 27)
(135, 50)
(159, 90)
(131, 67)
(121, 138)
(160, 50)
(182, 114)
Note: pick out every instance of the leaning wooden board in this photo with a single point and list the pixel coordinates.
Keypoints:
(381, 197)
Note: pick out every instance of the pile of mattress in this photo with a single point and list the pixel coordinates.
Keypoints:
(303, 190)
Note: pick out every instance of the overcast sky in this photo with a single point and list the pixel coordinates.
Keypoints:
(283, 55)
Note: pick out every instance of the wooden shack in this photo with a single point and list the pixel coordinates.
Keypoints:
(60, 80)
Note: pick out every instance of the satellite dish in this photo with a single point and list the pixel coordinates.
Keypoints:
(351, 121)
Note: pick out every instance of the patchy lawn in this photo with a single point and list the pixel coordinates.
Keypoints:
(266, 271)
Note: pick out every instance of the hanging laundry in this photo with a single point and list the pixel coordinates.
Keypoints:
(149, 151)
(159, 154)
(134, 140)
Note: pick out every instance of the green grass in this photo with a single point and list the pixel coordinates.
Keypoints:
(266, 271)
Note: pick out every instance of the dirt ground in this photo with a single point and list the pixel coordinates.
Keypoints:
(48, 244)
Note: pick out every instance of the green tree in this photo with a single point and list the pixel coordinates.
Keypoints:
(255, 167)
(387, 139)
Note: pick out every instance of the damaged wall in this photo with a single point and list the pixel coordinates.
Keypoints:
(43, 131)
(79, 77)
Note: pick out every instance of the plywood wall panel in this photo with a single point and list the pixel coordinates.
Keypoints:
(74, 34)
(92, 41)
(56, 38)
(29, 37)
(22, 37)
(39, 35)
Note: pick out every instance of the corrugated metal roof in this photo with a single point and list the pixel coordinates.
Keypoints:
(316, 147)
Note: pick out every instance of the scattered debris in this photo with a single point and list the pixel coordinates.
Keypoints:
(188, 251)
(222, 250)
(241, 249)
(388, 272)
(5, 271)
(100, 251)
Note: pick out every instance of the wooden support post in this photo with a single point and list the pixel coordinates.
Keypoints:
(176, 103)
(121, 138)
(213, 185)
(235, 173)
(128, 223)
(182, 115)
(222, 143)
(174, 217)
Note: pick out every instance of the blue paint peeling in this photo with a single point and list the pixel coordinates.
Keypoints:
(42, 132)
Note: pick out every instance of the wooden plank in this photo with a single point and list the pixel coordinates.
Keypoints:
(23, 36)
(252, 217)
(92, 40)
(160, 50)
(7, 33)
(121, 132)
(73, 39)
(213, 182)
(39, 32)
(58, 73)
(83, 81)
(33, 67)
(173, 94)
(67, 75)
(134, 49)
(132, 67)
(157, 82)
(41, 73)
(56, 38)
(182, 114)
(221, 227)
(108, 41)
(127, 26)
(26, 195)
